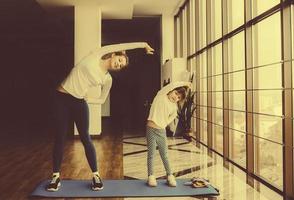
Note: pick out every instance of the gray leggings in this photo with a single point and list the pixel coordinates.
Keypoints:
(66, 106)
(157, 136)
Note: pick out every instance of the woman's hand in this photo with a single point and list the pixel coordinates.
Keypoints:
(149, 49)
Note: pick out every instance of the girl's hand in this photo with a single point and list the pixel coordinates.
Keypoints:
(149, 49)
(189, 85)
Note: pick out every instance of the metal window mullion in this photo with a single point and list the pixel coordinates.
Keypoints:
(287, 104)
(225, 85)
(197, 38)
(181, 27)
(209, 71)
(196, 18)
(188, 14)
(249, 95)
(176, 36)
(184, 17)
(193, 32)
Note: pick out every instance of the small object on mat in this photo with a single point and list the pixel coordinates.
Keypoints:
(197, 182)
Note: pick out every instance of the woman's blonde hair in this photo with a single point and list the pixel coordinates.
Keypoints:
(117, 53)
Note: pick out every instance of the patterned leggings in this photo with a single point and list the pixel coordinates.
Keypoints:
(157, 136)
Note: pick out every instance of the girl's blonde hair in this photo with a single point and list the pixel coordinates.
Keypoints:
(182, 91)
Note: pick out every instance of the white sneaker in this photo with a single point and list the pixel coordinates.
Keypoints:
(171, 181)
(152, 181)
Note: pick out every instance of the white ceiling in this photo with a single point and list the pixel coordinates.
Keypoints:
(121, 9)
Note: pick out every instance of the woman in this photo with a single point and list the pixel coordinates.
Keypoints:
(70, 98)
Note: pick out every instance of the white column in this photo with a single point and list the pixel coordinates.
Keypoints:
(167, 24)
(88, 37)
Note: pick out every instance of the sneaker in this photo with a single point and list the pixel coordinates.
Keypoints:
(55, 184)
(171, 181)
(97, 183)
(152, 181)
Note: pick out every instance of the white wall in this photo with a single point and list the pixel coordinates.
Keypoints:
(88, 37)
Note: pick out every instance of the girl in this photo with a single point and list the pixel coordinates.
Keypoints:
(163, 111)
(69, 100)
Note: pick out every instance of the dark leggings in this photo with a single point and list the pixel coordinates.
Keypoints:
(68, 107)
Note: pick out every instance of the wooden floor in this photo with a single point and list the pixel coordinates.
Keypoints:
(25, 162)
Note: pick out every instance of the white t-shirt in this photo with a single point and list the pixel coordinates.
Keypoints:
(88, 73)
(163, 111)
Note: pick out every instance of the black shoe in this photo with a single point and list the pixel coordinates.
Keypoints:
(54, 184)
(97, 183)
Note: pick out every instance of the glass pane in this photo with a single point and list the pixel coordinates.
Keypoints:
(238, 147)
(179, 36)
(217, 116)
(237, 100)
(216, 10)
(269, 161)
(217, 135)
(235, 14)
(193, 70)
(236, 58)
(217, 83)
(190, 65)
(238, 120)
(266, 42)
(217, 59)
(203, 84)
(181, 26)
(261, 77)
(192, 25)
(268, 102)
(268, 127)
(260, 6)
(194, 127)
(203, 113)
(203, 131)
(217, 99)
(237, 81)
(203, 98)
(183, 32)
(203, 65)
(186, 29)
(202, 24)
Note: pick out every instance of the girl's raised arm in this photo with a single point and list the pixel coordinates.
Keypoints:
(173, 85)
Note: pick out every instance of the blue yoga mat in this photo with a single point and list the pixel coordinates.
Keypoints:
(123, 188)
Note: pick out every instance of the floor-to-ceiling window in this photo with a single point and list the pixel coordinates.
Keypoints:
(202, 70)
(242, 55)
(217, 98)
(236, 93)
(267, 98)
